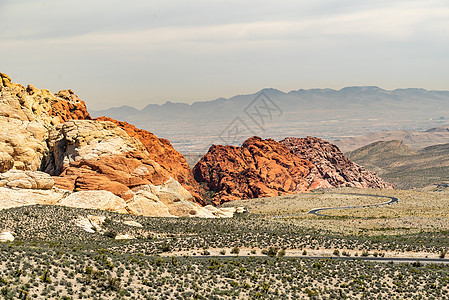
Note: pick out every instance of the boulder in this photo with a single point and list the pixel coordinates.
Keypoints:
(225, 212)
(96, 221)
(85, 224)
(133, 223)
(6, 236)
(90, 223)
(167, 200)
(26, 180)
(125, 236)
(13, 197)
(147, 204)
(103, 200)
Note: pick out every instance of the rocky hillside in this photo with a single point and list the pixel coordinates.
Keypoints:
(405, 167)
(332, 164)
(381, 151)
(94, 163)
(259, 168)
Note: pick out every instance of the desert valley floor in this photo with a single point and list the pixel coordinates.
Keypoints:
(96, 208)
(62, 252)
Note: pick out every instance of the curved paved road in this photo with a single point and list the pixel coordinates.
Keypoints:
(316, 211)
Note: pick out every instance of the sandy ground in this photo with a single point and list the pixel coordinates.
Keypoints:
(299, 252)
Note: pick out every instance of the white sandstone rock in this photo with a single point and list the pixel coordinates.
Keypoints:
(10, 198)
(124, 237)
(133, 223)
(26, 180)
(6, 236)
(103, 200)
(87, 139)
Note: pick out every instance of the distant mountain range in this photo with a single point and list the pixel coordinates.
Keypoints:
(326, 113)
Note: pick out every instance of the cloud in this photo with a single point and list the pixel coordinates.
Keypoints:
(205, 49)
(403, 20)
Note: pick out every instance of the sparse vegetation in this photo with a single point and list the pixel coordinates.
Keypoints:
(52, 258)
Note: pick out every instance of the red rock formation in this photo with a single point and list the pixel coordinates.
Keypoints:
(68, 106)
(332, 164)
(259, 168)
(162, 152)
(115, 173)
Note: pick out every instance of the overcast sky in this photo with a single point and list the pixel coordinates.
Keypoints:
(136, 52)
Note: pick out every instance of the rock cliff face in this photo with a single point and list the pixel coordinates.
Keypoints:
(162, 152)
(102, 164)
(332, 164)
(26, 116)
(98, 155)
(70, 108)
(259, 168)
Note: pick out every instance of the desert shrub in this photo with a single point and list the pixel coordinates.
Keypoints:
(111, 234)
(271, 251)
(235, 250)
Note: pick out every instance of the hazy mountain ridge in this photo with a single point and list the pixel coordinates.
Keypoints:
(326, 113)
(351, 95)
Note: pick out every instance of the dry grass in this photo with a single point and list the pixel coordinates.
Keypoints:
(417, 210)
(302, 203)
